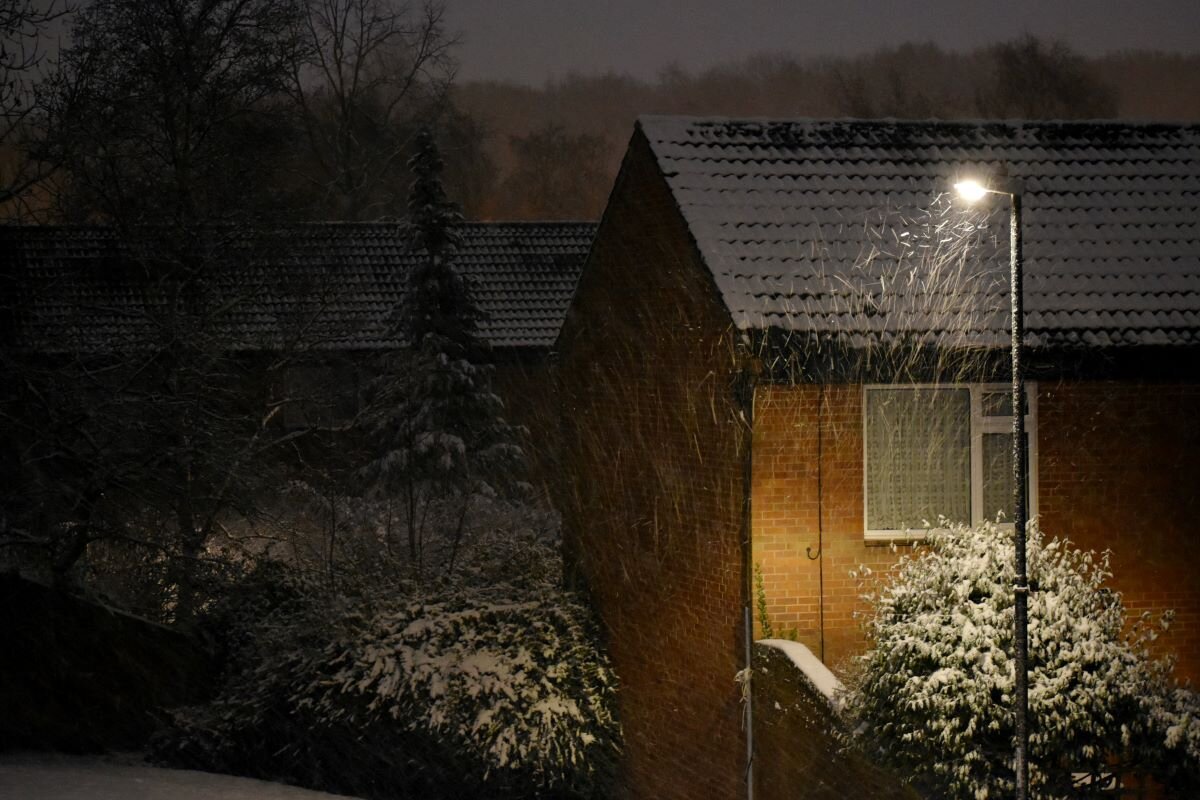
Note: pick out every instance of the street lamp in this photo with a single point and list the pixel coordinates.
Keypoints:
(972, 191)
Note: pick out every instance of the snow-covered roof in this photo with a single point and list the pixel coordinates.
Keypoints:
(330, 285)
(848, 228)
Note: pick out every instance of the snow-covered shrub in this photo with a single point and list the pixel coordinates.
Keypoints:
(933, 696)
(1175, 714)
(518, 551)
(495, 692)
(519, 687)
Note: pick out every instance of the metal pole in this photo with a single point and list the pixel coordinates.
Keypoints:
(1021, 581)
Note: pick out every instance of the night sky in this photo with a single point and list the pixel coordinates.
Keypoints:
(535, 40)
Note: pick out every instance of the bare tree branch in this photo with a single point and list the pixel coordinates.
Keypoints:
(371, 68)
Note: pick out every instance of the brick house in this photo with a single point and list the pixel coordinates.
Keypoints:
(788, 349)
(322, 292)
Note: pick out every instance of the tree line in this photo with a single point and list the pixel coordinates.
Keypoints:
(308, 108)
(223, 108)
(581, 123)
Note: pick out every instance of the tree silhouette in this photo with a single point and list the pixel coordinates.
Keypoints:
(443, 436)
(1032, 79)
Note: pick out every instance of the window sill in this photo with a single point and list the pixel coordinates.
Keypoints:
(914, 535)
(910, 536)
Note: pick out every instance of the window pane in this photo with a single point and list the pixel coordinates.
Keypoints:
(998, 476)
(997, 404)
(918, 456)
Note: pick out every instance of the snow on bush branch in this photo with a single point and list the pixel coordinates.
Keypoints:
(933, 695)
(519, 686)
(493, 688)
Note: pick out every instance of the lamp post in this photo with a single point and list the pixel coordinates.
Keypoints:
(973, 191)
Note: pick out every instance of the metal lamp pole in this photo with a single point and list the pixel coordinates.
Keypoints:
(973, 191)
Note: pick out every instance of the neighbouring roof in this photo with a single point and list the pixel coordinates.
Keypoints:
(847, 229)
(321, 285)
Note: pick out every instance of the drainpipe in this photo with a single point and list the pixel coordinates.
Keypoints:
(820, 556)
(745, 398)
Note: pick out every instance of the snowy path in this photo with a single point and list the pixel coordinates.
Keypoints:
(27, 776)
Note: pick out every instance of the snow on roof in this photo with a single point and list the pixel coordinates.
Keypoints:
(848, 228)
(335, 284)
(810, 667)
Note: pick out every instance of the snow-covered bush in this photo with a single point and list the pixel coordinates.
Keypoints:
(496, 691)
(933, 696)
(519, 687)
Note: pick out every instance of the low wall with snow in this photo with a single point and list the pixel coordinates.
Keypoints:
(798, 754)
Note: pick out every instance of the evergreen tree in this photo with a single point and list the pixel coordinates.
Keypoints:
(442, 434)
(438, 310)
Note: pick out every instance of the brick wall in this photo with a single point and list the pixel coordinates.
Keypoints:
(1117, 469)
(793, 521)
(653, 461)
(800, 750)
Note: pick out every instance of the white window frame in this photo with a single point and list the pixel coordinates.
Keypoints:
(980, 425)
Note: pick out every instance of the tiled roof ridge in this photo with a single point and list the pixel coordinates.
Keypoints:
(895, 122)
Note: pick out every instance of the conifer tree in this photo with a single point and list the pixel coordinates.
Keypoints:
(443, 439)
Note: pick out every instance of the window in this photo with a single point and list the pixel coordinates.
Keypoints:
(932, 451)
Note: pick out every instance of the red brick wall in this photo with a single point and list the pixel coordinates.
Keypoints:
(799, 742)
(653, 458)
(791, 521)
(1118, 469)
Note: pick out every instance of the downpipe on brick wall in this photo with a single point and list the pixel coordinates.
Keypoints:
(744, 394)
(820, 523)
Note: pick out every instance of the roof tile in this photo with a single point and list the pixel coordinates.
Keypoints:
(807, 224)
(333, 285)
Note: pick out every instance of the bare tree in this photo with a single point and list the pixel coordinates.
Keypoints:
(23, 24)
(1032, 79)
(167, 118)
(169, 111)
(368, 69)
(556, 175)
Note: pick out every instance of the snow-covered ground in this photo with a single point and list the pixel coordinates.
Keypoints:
(54, 777)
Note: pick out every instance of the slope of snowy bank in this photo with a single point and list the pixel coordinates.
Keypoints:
(40, 776)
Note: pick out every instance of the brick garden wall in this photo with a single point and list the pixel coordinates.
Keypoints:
(653, 462)
(1118, 469)
(799, 742)
(81, 678)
